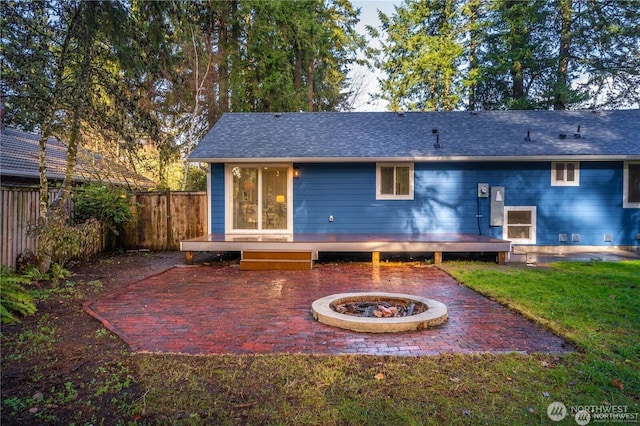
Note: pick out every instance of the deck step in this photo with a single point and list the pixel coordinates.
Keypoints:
(277, 254)
(276, 260)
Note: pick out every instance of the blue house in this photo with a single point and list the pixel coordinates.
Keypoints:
(490, 181)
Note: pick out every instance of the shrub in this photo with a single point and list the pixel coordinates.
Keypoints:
(60, 242)
(196, 179)
(106, 203)
(14, 299)
(26, 261)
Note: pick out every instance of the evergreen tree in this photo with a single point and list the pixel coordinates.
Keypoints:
(511, 54)
(421, 56)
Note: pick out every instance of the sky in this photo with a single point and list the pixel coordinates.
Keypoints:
(369, 16)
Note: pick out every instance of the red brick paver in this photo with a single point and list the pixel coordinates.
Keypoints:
(220, 309)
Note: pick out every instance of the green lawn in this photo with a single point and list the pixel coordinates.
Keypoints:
(595, 305)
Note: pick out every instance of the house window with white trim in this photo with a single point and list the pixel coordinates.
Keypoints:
(565, 173)
(520, 224)
(631, 194)
(394, 181)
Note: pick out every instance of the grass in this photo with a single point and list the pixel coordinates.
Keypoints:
(595, 305)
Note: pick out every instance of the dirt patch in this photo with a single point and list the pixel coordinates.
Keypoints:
(60, 365)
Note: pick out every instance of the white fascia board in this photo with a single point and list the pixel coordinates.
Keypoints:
(420, 159)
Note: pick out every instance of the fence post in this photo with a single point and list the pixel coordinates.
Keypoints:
(169, 223)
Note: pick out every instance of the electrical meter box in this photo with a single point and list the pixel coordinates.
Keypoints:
(483, 190)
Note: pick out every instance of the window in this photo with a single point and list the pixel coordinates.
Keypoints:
(565, 173)
(394, 181)
(631, 194)
(259, 198)
(520, 224)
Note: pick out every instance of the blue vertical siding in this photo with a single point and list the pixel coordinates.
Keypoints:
(217, 199)
(446, 201)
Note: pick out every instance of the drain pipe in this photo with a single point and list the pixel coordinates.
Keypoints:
(478, 215)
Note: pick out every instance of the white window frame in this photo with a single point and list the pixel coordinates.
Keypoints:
(229, 229)
(380, 195)
(505, 226)
(625, 191)
(564, 182)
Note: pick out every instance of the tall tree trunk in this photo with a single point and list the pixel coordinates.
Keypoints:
(474, 7)
(517, 86)
(310, 92)
(223, 69)
(199, 88)
(233, 53)
(44, 259)
(42, 166)
(82, 94)
(297, 73)
(518, 43)
(565, 9)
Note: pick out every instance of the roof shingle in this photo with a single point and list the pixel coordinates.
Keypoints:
(19, 157)
(364, 136)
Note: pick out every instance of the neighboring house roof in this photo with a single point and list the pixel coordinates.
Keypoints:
(463, 136)
(19, 158)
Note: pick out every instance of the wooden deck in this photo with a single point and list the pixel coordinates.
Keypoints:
(436, 243)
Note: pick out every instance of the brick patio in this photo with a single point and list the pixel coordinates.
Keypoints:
(220, 309)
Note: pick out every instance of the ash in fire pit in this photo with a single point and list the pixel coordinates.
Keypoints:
(382, 309)
(379, 312)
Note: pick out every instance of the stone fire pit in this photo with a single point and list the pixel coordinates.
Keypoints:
(325, 310)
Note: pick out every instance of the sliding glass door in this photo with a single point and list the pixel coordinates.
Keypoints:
(260, 198)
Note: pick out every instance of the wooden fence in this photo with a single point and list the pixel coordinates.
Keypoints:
(19, 210)
(163, 219)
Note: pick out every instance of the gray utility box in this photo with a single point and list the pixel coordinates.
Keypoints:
(497, 206)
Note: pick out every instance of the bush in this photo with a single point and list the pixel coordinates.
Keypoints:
(196, 179)
(60, 242)
(106, 203)
(14, 299)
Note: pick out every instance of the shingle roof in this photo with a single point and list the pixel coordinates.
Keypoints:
(364, 136)
(19, 157)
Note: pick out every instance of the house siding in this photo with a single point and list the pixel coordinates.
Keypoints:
(446, 200)
(217, 198)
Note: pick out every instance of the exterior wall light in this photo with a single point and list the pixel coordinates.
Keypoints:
(296, 172)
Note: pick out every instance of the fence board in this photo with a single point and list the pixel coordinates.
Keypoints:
(163, 219)
(19, 210)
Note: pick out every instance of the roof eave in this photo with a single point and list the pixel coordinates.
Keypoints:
(453, 158)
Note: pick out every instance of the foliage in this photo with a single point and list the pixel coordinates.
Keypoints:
(506, 54)
(75, 70)
(421, 56)
(26, 261)
(61, 241)
(109, 204)
(197, 179)
(14, 299)
(249, 56)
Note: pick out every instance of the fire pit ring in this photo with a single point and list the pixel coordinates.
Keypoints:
(323, 312)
